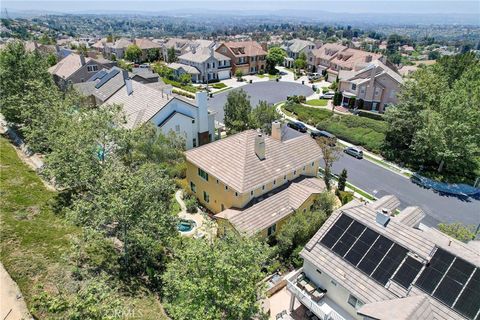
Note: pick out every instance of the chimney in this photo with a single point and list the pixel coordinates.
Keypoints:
(382, 217)
(277, 130)
(202, 105)
(128, 82)
(368, 58)
(260, 145)
(211, 51)
(82, 59)
(193, 48)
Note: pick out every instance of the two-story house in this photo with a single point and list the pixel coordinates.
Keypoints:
(369, 262)
(374, 87)
(182, 46)
(294, 48)
(142, 103)
(351, 59)
(211, 65)
(247, 56)
(117, 48)
(254, 182)
(76, 68)
(319, 59)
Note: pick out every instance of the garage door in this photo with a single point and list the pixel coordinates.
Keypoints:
(222, 75)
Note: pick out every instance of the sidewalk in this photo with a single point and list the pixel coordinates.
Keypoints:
(378, 160)
(12, 304)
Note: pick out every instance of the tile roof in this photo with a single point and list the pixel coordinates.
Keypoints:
(144, 44)
(354, 59)
(410, 216)
(364, 74)
(233, 160)
(415, 307)
(186, 67)
(121, 43)
(328, 51)
(67, 66)
(202, 54)
(107, 89)
(420, 243)
(274, 208)
(298, 45)
(245, 48)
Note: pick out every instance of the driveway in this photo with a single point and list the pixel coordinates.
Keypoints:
(271, 91)
(380, 181)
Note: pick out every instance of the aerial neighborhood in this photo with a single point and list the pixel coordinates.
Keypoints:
(238, 167)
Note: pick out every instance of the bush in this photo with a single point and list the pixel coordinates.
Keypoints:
(191, 203)
(325, 89)
(297, 99)
(185, 94)
(337, 98)
(345, 196)
(219, 85)
(309, 115)
(371, 115)
(261, 72)
(177, 84)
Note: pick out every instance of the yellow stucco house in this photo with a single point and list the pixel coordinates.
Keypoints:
(253, 182)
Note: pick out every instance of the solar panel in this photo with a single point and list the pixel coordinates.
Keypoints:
(468, 303)
(407, 272)
(336, 231)
(375, 254)
(389, 264)
(434, 272)
(453, 282)
(348, 238)
(109, 76)
(359, 249)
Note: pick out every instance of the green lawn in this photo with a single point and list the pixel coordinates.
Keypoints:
(177, 84)
(218, 85)
(361, 131)
(34, 242)
(317, 102)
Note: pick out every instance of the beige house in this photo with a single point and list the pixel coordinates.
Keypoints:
(319, 59)
(367, 262)
(372, 88)
(247, 56)
(245, 178)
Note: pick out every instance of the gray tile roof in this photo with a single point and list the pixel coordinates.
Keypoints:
(202, 54)
(415, 307)
(107, 89)
(233, 160)
(274, 208)
(410, 216)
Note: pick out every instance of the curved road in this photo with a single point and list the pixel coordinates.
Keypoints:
(271, 91)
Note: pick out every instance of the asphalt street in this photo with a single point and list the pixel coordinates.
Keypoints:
(270, 91)
(379, 181)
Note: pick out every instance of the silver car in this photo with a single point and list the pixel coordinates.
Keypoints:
(353, 151)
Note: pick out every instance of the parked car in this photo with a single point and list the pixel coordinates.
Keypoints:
(313, 76)
(325, 134)
(354, 151)
(327, 95)
(297, 126)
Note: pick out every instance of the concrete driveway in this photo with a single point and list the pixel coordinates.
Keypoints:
(270, 91)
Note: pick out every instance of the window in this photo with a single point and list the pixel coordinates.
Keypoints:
(203, 174)
(362, 90)
(354, 302)
(274, 182)
(303, 168)
(92, 68)
(236, 194)
(263, 187)
(194, 142)
(226, 187)
(295, 172)
(193, 121)
(177, 127)
(354, 86)
(222, 206)
(284, 177)
(319, 271)
(271, 230)
(392, 94)
(313, 164)
(377, 91)
(251, 193)
(206, 197)
(193, 187)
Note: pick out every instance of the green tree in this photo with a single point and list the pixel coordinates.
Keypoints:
(275, 57)
(185, 78)
(237, 111)
(459, 231)
(262, 116)
(301, 61)
(17, 69)
(163, 70)
(110, 38)
(342, 180)
(171, 55)
(215, 279)
(153, 54)
(239, 75)
(133, 53)
(51, 59)
(433, 55)
(330, 154)
(82, 49)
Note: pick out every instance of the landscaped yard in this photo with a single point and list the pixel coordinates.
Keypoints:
(218, 85)
(317, 102)
(177, 84)
(270, 76)
(361, 131)
(35, 243)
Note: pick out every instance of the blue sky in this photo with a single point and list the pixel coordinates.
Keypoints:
(348, 6)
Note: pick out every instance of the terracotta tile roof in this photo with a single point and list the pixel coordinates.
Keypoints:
(274, 208)
(354, 59)
(328, 51)
(245, 48)
(147, 44)
(233, 160)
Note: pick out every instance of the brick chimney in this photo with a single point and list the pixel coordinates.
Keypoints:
(368, 58)
(260, 145)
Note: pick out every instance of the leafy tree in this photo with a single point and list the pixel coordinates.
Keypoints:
(330, 155)
(132, 206)
(433, 55)
(133, 53)
(301, 61)
(239, 75)
(171, 55)
(342, 180)
(185, 78)
(237, 111)
(110, 38)
(153, 54)
(459, 231)
(163, 70)
(275, 57)
(51, 59)
(82, 49)
(262, 117)
(17, 69)
(216, 279)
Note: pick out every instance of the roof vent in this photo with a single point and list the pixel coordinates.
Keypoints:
(382, 217)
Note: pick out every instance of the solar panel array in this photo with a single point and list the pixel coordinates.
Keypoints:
(450, 279)
(109, 76)
(372, 253)
(453, 281)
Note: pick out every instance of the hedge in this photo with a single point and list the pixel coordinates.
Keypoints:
(177, 84)
(183, 93)
(369, 114)
(219, 85)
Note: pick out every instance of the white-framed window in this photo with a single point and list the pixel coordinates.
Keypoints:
(354, 86)
(354, 301)
(92, 68)
(177, 128)
(193, 187)
(272, 229)
(203, 174)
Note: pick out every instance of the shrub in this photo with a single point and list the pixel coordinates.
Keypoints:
(261, 72)
(337, 98)
(185, 94)
(325, 89)
(309, 115)
(345, 196)
(219, 85)
(297, 99)
(369, 114)
(191, 203)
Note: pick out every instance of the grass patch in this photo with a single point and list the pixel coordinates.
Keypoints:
(317, 102)
(308, 115)
(218, 85)
(361, 192)
(177, 84)
(35, 243)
